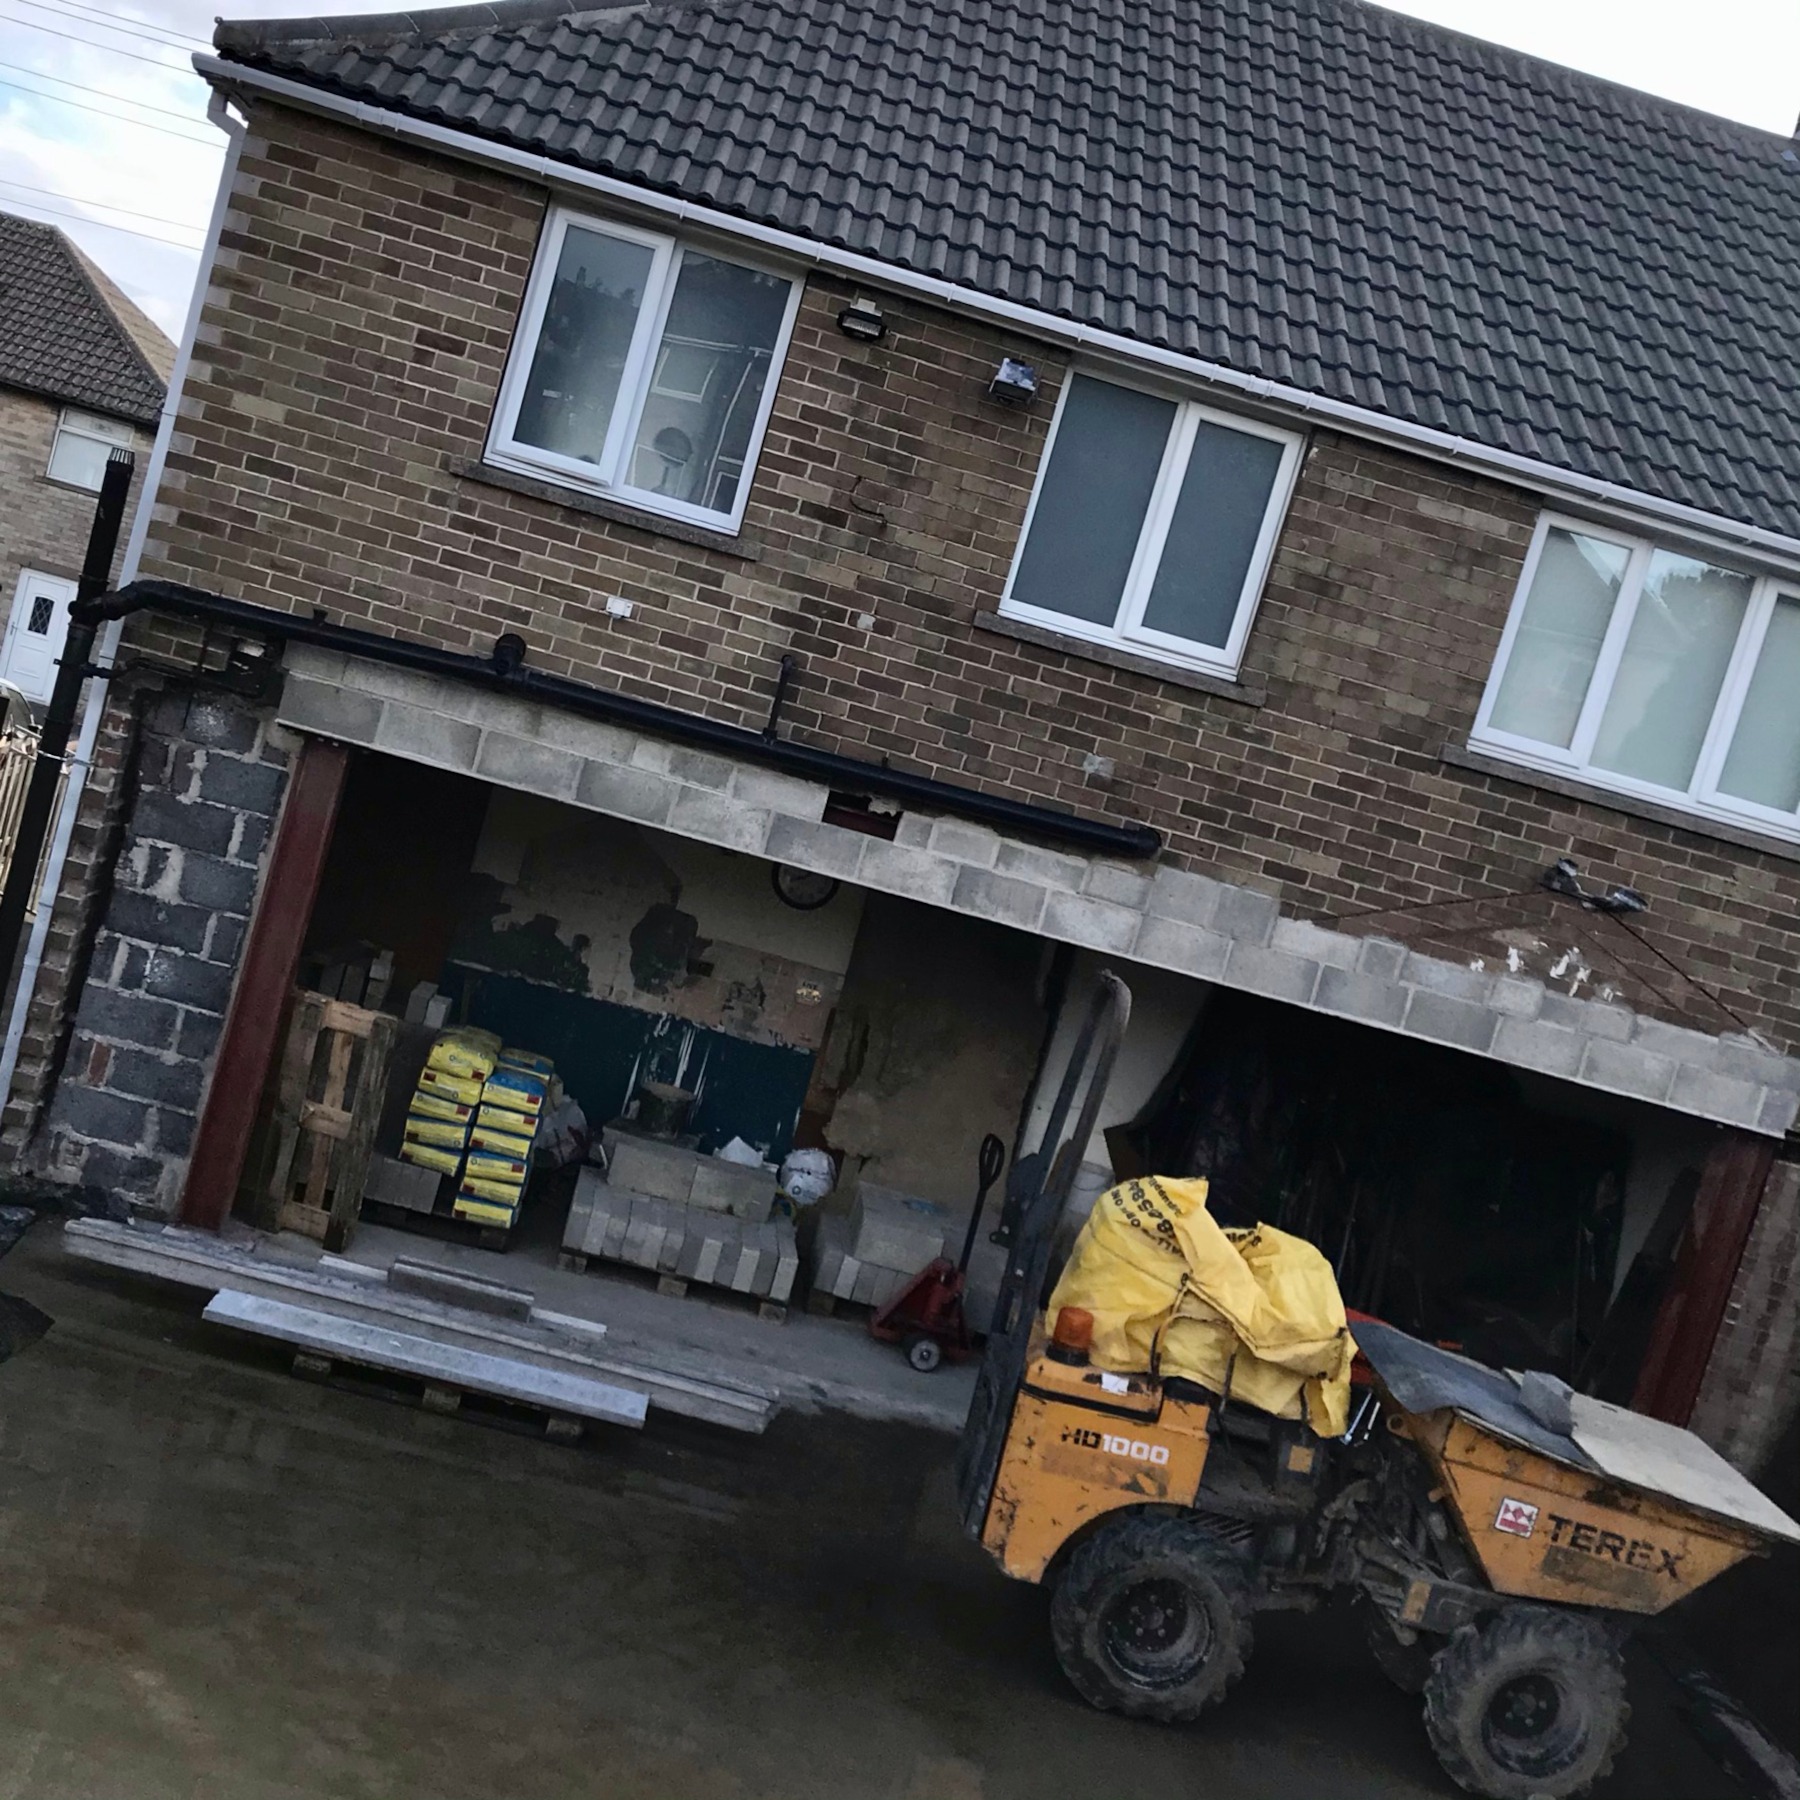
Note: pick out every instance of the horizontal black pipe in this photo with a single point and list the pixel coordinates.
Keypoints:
(844, 772)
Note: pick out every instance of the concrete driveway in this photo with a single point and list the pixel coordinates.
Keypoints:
(220, 1583)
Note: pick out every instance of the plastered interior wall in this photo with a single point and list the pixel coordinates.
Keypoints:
(932, 1047)
(660, 923)
(1164, 1007)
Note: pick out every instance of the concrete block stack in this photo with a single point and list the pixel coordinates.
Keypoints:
(869, 1255)
(680, 1241)
(665, 1171)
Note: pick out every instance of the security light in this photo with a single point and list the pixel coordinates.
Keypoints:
(1014, 383)
(862, 319)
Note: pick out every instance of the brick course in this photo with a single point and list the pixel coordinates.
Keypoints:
(1751, 1389)
(349, 357)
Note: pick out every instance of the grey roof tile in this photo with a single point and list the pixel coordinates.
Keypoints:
(59, 336)
(1336, 196)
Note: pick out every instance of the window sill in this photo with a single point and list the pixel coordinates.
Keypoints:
(743, 545)
(1744, 837)
(1172, 674)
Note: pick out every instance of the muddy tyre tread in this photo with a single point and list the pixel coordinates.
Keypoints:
(1459, 1672)
(1403, 1666)
(1128, 1544)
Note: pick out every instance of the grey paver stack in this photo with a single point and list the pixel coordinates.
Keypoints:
(682, 1240)
(871, 1253)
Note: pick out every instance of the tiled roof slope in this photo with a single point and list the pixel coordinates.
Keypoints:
(59, 335)
(1316, 191)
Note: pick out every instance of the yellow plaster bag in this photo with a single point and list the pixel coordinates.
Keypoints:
(1254, 1313)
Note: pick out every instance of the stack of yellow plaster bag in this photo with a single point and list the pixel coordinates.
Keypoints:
(513, 1093)
(1254, 1315)
(473, 1116)
(441, 1113)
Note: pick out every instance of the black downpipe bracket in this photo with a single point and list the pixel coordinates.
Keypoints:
(502, 675)
(59, 716)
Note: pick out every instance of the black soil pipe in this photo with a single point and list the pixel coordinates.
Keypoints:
(65, 695)
(503, 676)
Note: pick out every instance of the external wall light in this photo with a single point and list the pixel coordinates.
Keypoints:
(1014, 383)
(862, 319)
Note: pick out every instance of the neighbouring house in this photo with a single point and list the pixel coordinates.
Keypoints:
(755, 547)
(82, 371)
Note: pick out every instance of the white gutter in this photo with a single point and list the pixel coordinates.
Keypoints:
(81, 762)
(1526, 471)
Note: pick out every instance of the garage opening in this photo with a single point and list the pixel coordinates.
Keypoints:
(1530, 1222)
(703, 1021)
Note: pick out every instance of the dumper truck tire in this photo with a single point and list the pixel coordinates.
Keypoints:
(1407, 1666)
(1151, 1617)
(1528, 1705)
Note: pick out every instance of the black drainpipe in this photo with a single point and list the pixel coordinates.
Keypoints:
(59, 715)
(503, 674)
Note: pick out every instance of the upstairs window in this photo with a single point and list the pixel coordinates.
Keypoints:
(82, 444)
(1652, 672)
(643, 368)
(1152, 524)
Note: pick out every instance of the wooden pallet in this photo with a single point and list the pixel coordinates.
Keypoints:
(443, 1226)
(327, 1103)
(435, 1397)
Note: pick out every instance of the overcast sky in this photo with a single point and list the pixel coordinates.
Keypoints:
(100, 118)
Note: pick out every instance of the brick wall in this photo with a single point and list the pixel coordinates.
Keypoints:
(208, 778)
(1751, 1389)
(348, 362)
(44, 523)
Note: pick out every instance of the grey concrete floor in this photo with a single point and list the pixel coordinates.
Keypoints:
(220, 1583)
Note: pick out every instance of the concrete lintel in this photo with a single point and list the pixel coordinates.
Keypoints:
(1163, 918)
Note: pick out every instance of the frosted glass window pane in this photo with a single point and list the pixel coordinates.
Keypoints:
(583, 343)
(1764, 762)
(1558, 641)
(1218, 517)
(707, 382)
(80, 461)
(1686, 626)
(1091, 505)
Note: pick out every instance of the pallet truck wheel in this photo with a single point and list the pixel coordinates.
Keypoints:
(1151, 1617)
(923, 1353)
(1528, 1705)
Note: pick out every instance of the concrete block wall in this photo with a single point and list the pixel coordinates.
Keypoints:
(1160, 916)
(329, 455)
(211, 773)
(1751, 1389)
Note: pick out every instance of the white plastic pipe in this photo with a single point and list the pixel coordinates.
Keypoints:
(81, 761)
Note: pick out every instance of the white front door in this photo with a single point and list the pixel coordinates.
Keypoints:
(35, 633)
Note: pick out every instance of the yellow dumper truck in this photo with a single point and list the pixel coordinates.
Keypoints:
(1188, 1431)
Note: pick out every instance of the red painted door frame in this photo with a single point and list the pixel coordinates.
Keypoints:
(1693, 1308)
(265, 978)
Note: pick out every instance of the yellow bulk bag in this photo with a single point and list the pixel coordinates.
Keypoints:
(1255, 1314)
(466, 1052)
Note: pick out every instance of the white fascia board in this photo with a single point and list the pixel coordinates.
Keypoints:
(1566, 485)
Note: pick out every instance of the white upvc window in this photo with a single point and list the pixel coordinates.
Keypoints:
(643, 369)
(1152, 523)
(1653, 672)
(82, 444)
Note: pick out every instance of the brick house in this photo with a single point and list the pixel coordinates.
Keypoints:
(81, 370)
(803, 534)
